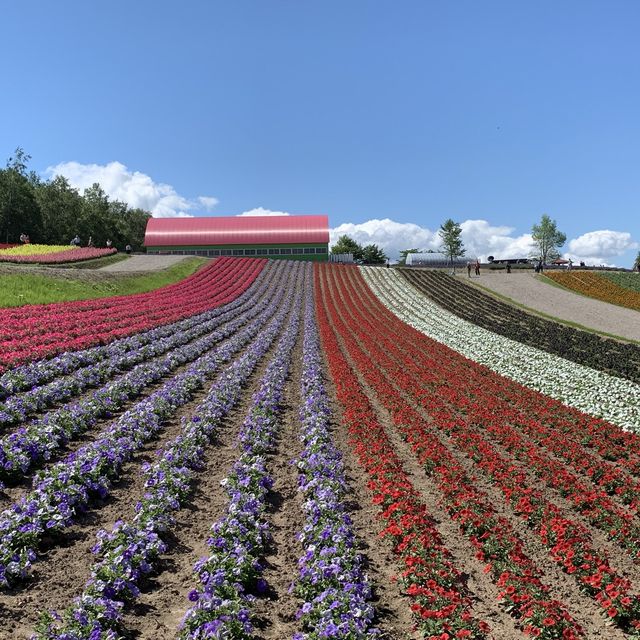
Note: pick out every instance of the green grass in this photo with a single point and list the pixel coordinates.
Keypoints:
(27, 287)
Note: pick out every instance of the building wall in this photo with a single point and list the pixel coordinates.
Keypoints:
(312, 252)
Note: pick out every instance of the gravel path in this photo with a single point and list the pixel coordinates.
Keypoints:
(143, 263)
(531, 291)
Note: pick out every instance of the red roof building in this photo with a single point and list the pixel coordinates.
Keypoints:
(292, 237)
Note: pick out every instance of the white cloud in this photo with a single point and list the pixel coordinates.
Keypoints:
(389, 235)
(600, 247)
(133, 187)
(260, 211)
(479, 237)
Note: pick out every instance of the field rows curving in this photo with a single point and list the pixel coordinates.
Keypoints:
(281, 454)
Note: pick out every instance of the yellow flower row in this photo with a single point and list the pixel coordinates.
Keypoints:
(35, 249)
(595, 285)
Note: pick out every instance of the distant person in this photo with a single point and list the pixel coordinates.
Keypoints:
(128, 248)
(90, 242)
(108, 244)
(477, 267)
(582, 264)
(23, 238)
(508, 267)
(468, 268)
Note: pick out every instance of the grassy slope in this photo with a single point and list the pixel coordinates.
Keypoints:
(30, 287)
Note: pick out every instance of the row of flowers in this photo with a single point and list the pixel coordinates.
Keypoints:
(127, 554)
(593, 392)
(569, 434)
(485, 408)
(67, 487)
(39, 439)
(111, 359)
(569, 543)
(66, 254)
(523, 594)
(230, 576)
(38, 331)
(440, 600)
(331, 580)
(596, 285)
(621, 359)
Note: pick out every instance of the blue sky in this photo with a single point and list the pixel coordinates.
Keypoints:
(491, 113)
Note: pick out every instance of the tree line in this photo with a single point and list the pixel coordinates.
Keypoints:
(53, 212)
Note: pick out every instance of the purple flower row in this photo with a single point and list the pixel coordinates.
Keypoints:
(39, 439)
(111, 359)
(331, 580)
(232, 572)
(66, 487)
(126, 554)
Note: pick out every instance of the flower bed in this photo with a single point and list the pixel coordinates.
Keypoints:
(67, 486)
(43, 254)
(460, 409)
(591, 391)
(38, 331)
(596, 285)
(611, 356)
(440, 600)
(116, 574)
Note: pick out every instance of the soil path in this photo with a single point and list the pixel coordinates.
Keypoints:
(533, 292)
(143, 263)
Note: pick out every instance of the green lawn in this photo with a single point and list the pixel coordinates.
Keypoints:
(29, 287)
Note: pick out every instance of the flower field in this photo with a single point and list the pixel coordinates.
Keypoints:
(614, 289)
(51, 254)
(274, 449)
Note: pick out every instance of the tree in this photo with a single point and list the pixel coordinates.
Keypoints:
(373, 254)
(404, 253)
(636, 264)
(19, 210)
(547, 239)
(452, 245)
(345, 244)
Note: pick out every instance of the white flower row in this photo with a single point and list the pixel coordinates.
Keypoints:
(594, 392)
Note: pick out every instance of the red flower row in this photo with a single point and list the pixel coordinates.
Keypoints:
(447, 390)
(522, 592)
(37, 331)
(440, 602)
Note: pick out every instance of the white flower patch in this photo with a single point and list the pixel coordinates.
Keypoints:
(596, 393)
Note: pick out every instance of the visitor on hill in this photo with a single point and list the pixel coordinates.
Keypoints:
(508, 267)
(469, 268)
(477, 267)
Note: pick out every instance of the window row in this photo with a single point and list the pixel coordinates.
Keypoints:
(281, 251)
